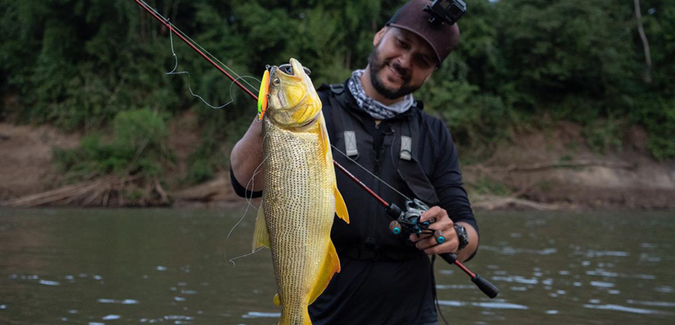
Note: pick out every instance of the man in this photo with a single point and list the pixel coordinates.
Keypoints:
(373, 119)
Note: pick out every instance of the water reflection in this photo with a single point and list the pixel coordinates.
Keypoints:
(169, 266)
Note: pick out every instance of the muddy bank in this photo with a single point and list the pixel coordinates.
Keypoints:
(537, 170)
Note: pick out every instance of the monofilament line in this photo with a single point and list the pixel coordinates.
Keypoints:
(196, 46)
(370, 173)
(250, 184)
(174, 72)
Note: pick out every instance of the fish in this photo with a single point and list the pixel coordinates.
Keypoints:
(300, 195)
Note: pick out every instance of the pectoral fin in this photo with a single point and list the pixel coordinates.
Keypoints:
(261, 237)
(340, 206)
(331, 264)
(325, 141)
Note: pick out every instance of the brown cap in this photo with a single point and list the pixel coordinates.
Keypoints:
(413, 18)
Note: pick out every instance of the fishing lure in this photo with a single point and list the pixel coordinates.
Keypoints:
(262, 95)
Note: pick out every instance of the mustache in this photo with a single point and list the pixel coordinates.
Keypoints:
(404, 72)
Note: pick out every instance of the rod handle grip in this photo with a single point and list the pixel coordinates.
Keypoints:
(449, 257)
(484, 285)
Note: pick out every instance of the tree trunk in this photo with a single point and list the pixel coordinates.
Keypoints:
(645, 43)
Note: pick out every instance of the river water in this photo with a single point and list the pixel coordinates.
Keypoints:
(172, 266)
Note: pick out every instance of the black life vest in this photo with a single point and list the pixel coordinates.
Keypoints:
(390, 152)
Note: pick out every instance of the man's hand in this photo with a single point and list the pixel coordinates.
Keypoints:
(444, 226)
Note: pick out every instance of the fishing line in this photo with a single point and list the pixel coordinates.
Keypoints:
(201, 50)
(370, 173)
(250, 183)
(174, 72)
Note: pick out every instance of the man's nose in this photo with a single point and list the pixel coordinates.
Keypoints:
(405, 61)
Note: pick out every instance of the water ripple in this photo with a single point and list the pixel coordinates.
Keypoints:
(601, 284)
(50, 283)
(625, 309)
(506, 250)
(121, 302)
(489, 305)
(516, 279)
(664, 289)
(651, 303)
(594, 253)
(255, 314)
(620, 275)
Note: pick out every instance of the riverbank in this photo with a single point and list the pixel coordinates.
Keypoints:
(544, 170)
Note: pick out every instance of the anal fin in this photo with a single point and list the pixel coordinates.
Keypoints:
(261, 237)
(331, 265)
(277, 300)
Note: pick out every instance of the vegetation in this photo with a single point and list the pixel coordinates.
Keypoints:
(138, 148)
(82, 64)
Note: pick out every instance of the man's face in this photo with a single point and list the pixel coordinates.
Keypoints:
(400, 62)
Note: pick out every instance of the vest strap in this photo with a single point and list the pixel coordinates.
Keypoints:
(406, 147)
(349, 135)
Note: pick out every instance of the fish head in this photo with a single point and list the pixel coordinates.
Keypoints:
(292, 100)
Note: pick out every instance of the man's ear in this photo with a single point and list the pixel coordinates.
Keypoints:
(379, 35)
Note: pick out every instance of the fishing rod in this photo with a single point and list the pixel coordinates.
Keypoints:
(408, 220)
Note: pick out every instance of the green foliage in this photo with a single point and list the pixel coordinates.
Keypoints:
(203, 163)
(604, 135)
(657, 115)
(138, 148)
(78, 64)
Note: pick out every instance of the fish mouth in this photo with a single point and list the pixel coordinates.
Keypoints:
(287, 69)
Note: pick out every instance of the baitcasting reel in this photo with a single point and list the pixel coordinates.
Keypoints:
(408, 221)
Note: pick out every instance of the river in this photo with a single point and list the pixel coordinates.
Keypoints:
(172, 266)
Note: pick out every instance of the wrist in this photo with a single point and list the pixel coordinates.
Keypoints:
(462, 236)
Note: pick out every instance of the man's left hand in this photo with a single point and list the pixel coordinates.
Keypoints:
(442, 226)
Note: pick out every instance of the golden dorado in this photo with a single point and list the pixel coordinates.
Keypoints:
(300, 196)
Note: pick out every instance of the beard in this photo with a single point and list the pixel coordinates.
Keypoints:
(377, 65)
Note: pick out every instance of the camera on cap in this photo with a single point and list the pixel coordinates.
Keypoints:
(445, 11)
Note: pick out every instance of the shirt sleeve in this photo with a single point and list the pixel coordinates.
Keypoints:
(447, 177)
(240, 190)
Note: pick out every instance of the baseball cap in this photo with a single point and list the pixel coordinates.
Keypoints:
(413, 18)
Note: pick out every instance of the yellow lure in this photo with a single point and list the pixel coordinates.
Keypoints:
(262, 95)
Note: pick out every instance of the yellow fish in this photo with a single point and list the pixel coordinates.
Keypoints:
(300, 197)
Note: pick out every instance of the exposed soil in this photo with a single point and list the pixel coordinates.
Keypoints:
(538, 170)
(26, 158)
(557, 169)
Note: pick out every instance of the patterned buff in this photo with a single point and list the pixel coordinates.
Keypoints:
(376, 109)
